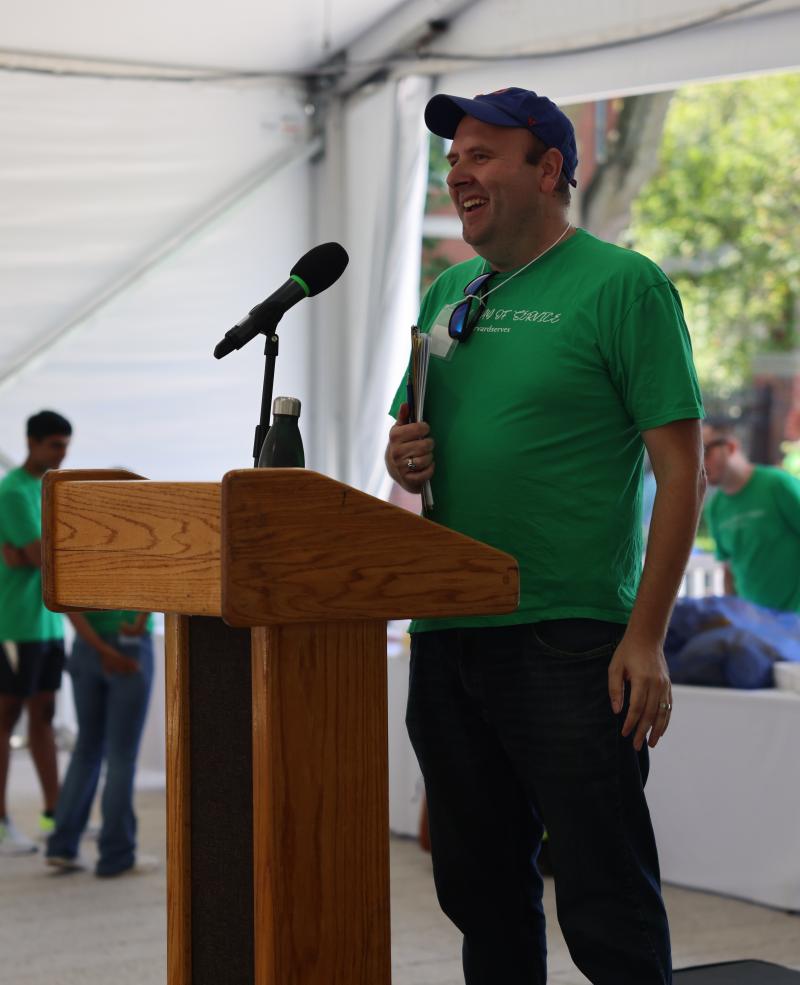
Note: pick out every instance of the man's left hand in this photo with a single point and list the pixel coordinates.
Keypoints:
(644, 667)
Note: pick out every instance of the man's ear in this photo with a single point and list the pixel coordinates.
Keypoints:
(551, 162)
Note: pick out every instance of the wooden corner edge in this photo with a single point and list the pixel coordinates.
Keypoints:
(49, 483)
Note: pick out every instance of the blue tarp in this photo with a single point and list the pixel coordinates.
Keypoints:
(724, 641)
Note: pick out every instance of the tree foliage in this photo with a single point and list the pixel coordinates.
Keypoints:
(438, 168)
(722, 216)
(433, 262)
(630, 160)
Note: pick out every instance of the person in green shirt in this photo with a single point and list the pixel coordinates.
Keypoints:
(31, 637)
(754, 519)
(556, 359)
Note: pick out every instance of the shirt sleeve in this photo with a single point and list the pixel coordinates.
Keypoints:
(21, 521)
(650, 360)
(787, 497)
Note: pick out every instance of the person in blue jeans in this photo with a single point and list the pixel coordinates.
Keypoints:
(111, 666)
(556, 360)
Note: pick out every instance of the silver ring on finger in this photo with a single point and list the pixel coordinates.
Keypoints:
(411, 465)
(665, 706)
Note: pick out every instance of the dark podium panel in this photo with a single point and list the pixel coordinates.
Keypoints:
(220, 804)
(737, 973)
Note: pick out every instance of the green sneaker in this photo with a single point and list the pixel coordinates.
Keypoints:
(47, 825)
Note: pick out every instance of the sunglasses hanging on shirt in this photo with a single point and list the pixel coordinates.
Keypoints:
(467, 313)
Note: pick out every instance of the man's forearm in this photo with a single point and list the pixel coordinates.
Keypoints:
(33, 554)
(729, 583)
(672, 531)
(29, 556)
(85, 630)
(140, 622)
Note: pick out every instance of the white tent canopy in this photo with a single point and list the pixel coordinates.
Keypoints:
(164, 166)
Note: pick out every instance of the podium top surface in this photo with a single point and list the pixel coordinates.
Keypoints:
(264, 546)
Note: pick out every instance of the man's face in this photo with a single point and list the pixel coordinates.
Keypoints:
(717, 450)
(494, 189)
(47, 453)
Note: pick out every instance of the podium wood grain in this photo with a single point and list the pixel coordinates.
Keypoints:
(300, 547)
(179, 884)
(277, 750)
(320, 805)
(273, 546)
(152, 546)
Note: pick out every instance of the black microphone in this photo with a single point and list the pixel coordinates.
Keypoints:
(312, 274)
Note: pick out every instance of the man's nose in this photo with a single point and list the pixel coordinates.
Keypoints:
(457, 175)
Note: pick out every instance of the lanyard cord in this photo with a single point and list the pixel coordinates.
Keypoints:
(537, 257)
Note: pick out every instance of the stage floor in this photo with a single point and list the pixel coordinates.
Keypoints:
(78, 930)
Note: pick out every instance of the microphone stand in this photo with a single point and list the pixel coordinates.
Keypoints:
(270, 353)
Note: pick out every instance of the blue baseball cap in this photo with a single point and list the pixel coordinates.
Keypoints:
(511, 107)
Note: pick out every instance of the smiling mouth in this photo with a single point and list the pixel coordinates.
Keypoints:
(473, 204)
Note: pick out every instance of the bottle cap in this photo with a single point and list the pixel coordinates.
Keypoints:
(286, 405)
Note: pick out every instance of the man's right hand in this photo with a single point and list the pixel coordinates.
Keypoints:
(409, 454)
(115, 662)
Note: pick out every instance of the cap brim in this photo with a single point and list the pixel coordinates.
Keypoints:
(444, 113)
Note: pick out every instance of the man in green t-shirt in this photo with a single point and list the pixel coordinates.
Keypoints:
(31, 637)
(754, 519)
(556, 359)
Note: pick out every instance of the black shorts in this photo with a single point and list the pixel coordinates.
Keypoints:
(30, 668)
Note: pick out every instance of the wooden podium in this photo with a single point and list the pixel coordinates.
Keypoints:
(277, 751)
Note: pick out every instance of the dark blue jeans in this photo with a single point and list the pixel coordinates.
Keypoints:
(111, 710)
(514, 732)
